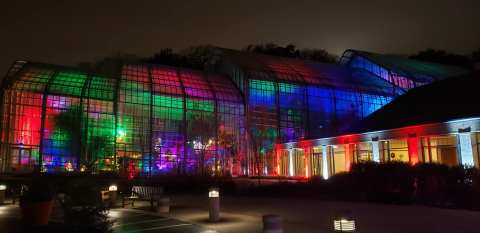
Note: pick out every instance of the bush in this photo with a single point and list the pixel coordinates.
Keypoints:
(83, 208)
(37, 191)
(395, 183)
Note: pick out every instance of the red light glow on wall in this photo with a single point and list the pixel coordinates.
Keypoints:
(413, 150)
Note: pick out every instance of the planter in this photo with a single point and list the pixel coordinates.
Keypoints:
(36, 213)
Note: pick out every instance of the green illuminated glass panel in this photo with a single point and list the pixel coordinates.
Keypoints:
(68, 83)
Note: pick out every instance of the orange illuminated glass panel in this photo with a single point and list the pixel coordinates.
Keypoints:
(339, 159)
(440, 149)
(398, 149)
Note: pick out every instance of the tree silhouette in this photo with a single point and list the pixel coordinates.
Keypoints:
(109, 65)
(476, 56)
(442, 57)
(194, 57)
(291, 51)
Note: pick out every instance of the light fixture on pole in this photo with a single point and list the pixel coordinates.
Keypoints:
(214, 201)
(112, 193)
(3, 189)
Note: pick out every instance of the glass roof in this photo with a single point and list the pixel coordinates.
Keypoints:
(418, 70)
(265, 67)
(58, 80)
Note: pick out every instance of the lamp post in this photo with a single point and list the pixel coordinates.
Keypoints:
(214, 199)
(112, 193)
(3, 189)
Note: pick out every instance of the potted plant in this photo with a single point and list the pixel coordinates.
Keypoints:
(36, 204)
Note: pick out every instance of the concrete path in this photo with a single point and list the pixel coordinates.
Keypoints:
(137, 221)
(125, 221)
(243, 214)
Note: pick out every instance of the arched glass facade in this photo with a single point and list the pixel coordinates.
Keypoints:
(148, 120)
(289, 99)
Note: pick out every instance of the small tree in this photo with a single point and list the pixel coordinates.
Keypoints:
(263, 139)
(72, 123)
(201, 132)
(442, 57)
(69, 123)
(226, 141)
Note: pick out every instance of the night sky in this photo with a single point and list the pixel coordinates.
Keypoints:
(68, 32)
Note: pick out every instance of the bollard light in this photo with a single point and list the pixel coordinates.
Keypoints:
(3, 189)
(214, 201)
(112, 188)
(112, 193)
(344, 224)
(213, 193)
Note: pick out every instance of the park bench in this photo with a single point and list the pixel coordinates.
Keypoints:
(104, 196)
(143, 193)
(17, 192)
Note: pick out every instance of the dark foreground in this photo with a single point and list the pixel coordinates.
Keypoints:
(125, 221)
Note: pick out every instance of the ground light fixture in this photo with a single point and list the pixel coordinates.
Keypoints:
(344, 224)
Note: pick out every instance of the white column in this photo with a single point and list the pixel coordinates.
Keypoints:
(376, 151)
(324, 162)
(466, 152)
(290, 162)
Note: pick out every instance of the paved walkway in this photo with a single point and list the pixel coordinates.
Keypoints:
(137, 221)
(244, 214)
(125, 221)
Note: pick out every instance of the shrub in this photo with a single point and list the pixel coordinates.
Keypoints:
(83, 208)
(38, 191)
(396, 183)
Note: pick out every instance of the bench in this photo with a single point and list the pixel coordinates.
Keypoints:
(17, 192)
(104, 195)
(143, 193)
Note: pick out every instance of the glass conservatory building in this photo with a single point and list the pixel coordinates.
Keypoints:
(149, 119)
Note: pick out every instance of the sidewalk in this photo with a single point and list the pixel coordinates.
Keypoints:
(244, 215)
(125, 221)
(189, 214)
